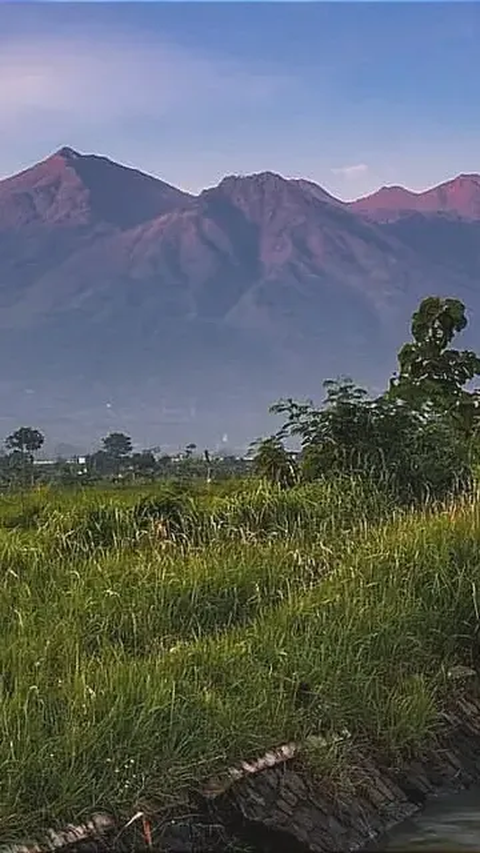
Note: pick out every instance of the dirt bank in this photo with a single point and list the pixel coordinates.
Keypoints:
(280, 804)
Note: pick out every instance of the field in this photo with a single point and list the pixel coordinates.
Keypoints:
(150, 637)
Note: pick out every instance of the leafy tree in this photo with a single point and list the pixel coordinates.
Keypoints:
(23, 443)
(25, 439)
(117, 445)
(273, 462)
(383, 438)
(432, 376)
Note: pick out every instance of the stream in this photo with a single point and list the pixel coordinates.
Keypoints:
(447, 824)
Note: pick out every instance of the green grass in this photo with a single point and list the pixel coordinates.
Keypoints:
(133, 666)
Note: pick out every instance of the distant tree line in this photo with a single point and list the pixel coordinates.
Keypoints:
(115, 460)
(420, 438)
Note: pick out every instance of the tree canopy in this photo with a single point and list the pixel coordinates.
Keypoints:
(117, 445)
(25, 439)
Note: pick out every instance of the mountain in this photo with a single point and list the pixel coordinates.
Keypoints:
(459, 197)
(441, 224)
(70, 190)
(126, 303)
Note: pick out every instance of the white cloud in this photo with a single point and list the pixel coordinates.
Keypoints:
(350, 172)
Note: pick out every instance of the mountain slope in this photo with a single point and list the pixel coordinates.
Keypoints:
(115, 285)
(459, 197)
(257, 253)
(70, 189)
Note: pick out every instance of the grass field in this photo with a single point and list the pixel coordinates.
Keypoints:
(138, 656)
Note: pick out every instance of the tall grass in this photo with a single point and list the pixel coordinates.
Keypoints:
(135, 662)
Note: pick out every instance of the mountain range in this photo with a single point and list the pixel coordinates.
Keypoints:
(126, 303)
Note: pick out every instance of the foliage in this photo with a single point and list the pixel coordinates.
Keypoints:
(117, 445)
(103, 464)
(23, 443)
(16, 468)
(382, 439)
(144, 463)
(274, 463)
(419, 437)
(432, 375)
(25, 440)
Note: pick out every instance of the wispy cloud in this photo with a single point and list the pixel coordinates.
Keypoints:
(350, 172)
(84, 79)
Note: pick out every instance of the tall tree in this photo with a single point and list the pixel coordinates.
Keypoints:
(431, 375)
(25, 439)
(117, 445)
(23, 443)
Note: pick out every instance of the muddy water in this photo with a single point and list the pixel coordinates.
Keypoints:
(447, 824)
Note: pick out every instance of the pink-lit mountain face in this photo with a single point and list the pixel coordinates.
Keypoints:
(113, 282)
(70, 189)
(459, 197)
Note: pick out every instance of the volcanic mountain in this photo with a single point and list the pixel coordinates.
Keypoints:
(119, 290)
(458, 198)
(71, 189)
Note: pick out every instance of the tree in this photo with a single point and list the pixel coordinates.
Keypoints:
(117, 445)
(23, 443)
(412, 454)
(25, 439)
(335, 438)
(431, 376)
(418, 436)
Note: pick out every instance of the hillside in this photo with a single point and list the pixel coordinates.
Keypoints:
(115, 286)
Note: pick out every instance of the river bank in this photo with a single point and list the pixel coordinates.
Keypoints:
(279, 804)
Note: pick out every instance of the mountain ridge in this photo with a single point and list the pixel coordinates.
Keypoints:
(466, 182)
(114, 280)
(459, 196)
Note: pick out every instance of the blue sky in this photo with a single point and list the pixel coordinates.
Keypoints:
(350, 95)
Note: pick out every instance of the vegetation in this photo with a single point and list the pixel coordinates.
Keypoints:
(155, 632)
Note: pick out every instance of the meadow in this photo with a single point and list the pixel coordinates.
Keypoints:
(151, 636)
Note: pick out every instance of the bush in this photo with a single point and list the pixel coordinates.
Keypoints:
(174, 508)
(412, 454)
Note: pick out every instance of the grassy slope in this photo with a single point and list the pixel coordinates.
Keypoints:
(130, 666)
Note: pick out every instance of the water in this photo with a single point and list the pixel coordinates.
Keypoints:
(447, 824)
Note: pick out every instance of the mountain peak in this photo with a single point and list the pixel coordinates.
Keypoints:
(67, 153)
(469, 177)
(116, 283)
(458, 197)
(260, 179)
(85, 189)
